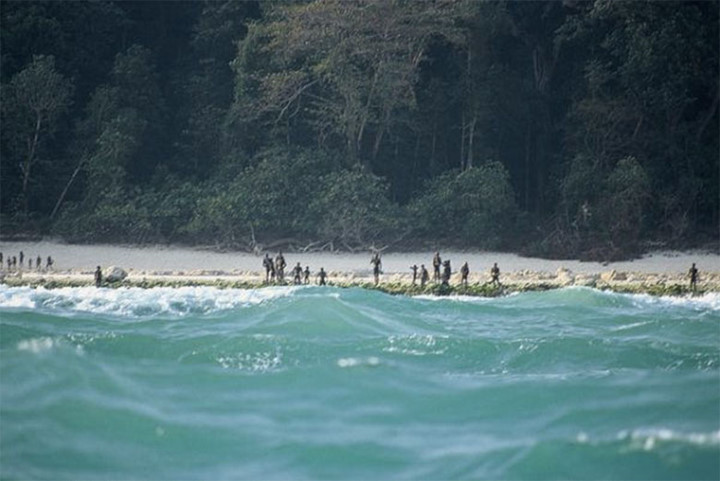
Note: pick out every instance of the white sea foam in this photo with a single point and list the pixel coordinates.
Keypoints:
(138, 302)
(37, 345)
(459, 298)
(347, 362)
(415, 345)
(257, 362)
(708, 300)
(648, 438)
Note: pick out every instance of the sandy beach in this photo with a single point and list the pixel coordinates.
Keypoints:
(79, 261)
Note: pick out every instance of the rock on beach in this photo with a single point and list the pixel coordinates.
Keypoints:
(114, 274)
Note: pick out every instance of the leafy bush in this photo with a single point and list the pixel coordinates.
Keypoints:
(269, 198)
(475, 207)
(352, 207)
(626, 195)
(138, 216)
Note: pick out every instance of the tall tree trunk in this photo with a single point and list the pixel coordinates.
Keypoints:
(66, 189)
(471, 136)
(462, 142)
(27, 165)
(432, 149)
(527, 167)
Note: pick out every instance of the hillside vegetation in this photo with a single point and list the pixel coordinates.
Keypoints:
(562, 129)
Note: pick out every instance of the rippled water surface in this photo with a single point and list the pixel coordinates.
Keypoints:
(324, 383)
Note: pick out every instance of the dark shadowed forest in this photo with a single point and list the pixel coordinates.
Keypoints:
(583, 129)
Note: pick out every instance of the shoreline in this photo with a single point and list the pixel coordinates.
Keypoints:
(657, 272)
(396, 284)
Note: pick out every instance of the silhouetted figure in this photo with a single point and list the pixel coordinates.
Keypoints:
(280, 267)
(98, 276)
(22, 258)
(9, 263)
(321, 277)
(437, 262)
(269, 267)
(38, 263)
(424, 275)
(14, 263)
(447, 272)
(495, 275)
(414, 268)
(306, 280)
(376, 262)
(464, 271)
(30, 263)
(693, 273)
(49, 263)
(297, 271)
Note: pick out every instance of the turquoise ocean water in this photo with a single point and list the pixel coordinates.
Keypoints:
(325, 383)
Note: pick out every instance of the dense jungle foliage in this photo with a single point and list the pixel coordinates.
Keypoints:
(560, 128)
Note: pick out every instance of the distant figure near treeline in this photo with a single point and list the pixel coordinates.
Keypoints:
(98, 276)
(464, 271)
(280, 267)
(693, 274)
(297, 271)
(495, 275)
(269, 268)
(414, 269)
(447, 272)
(376, 262)
(321, 277)
(437, 262)
(424, 275)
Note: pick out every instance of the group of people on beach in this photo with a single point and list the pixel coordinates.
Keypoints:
(17, 263)
(275, 271)
(442, 271)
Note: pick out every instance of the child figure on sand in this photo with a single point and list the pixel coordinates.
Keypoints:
(376, 262)
(495, 275)
(693, 274)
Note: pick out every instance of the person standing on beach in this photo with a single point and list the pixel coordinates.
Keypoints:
(30, 264)
(437, 262)
(269, 267)
(297, 271)
(280, 267)
(98, 276)
(38, 263)
(22, 258)
(495, 275)
(464, 271)
(321, 276)
(447, 272)
(307, 275)
(693, 273)
(424, 275)
(50, 263)
(376, 262)
(414, 269)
